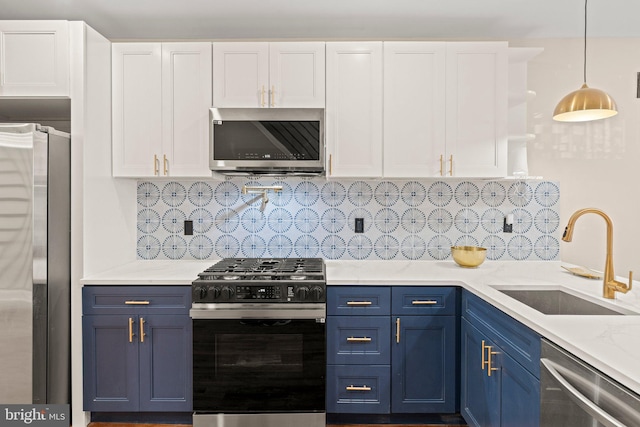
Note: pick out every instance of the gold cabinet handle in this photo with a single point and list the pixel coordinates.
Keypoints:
(262, 97)
(488, 362)
(156, 169)
(164, 161)
(273, 96)
(397, 330)
(441, 165)
(358, 302)
(358, 339)
(131, 329)
(330, 165)
(428, 302)
(136, 302)
(451, 165)
(358, 388)
(142, 334)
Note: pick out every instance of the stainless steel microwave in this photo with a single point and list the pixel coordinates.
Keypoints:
(275, 141)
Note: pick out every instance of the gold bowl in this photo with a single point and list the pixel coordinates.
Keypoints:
(468, 256)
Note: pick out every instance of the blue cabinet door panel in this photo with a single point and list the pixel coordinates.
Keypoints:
(165, 364)
(520, 395)
(358, 389)
(358, 301)
(110, 363)
(423, 300)
(424, 377)
(513, 337)
(357, 340)
(479, 393)
(137, 299)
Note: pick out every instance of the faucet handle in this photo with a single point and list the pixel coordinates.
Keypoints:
(630, 280)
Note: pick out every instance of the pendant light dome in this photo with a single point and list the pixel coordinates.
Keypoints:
(585, 104)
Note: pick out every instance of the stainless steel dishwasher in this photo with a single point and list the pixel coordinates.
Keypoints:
(572, 393)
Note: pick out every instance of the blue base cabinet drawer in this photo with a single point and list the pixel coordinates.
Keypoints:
(424, 301)
(358, 340)
(358, 389)
(358, 301)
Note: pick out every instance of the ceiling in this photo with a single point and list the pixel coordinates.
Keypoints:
(337, 19)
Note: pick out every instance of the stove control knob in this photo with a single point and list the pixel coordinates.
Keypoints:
(213, 292)
(302, 292)
(317, 293)
(199, 293)
(227, 293)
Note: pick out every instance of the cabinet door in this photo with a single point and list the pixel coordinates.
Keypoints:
(414, 117)
(354, 109)
(296, 75)
(423, 364)
(34, 58)
(165, 363)
(479, 393)
(358, 340)
(476, 108)
(186, 99)
(520, 395)
(358, 389)
(241, 74)
(137, 109)
(110, 369)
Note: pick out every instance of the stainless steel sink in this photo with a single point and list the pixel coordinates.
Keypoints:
(559, 302)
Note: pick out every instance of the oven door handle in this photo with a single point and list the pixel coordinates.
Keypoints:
(581, 400)
(260, 311)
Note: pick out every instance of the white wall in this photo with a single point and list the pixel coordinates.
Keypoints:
(596, 163)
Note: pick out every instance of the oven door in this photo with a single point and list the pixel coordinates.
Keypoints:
(258, 365)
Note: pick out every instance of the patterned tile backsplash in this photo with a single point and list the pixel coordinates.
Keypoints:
(313, 217)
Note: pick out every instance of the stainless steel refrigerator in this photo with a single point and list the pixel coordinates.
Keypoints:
(35, 193)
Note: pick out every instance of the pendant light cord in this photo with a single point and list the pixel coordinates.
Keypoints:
(585, 42)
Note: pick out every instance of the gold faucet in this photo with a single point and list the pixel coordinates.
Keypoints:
(610, 284)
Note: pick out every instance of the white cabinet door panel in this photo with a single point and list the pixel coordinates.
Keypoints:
(296, 76)
(414, 115)
(240, 74)
(186, 89)
(477, 127)
(137, 112)
(34, 58)
(354, 109)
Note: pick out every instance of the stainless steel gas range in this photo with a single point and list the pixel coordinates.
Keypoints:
(259, 352)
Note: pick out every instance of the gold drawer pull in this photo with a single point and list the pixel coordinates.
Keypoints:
(136, 302)
(358, 388)
(359, 303)
(429, 302)
(356, 339)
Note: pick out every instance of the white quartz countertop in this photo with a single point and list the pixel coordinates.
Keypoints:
(609, 343)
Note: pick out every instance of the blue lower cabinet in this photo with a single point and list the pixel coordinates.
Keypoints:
(495, 389)
(358, 340)
(424, 368)
(358, 389)
(137, 349)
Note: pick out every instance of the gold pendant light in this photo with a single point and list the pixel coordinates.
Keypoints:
(585, 104)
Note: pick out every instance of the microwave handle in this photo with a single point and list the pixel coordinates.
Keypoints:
(581, 400)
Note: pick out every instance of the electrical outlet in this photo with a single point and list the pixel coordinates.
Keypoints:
(359, 226)
(507, 228)
(188, 227)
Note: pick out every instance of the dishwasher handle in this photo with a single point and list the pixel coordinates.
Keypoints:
(581, 400)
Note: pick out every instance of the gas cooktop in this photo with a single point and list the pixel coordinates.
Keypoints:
(261, 279)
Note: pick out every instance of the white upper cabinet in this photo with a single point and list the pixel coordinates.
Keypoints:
(445, 109)
(269, 75)
(34, 58)
(414, 114)
(186, 99)
(161, 97)
(477, 109)
(354, 109)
